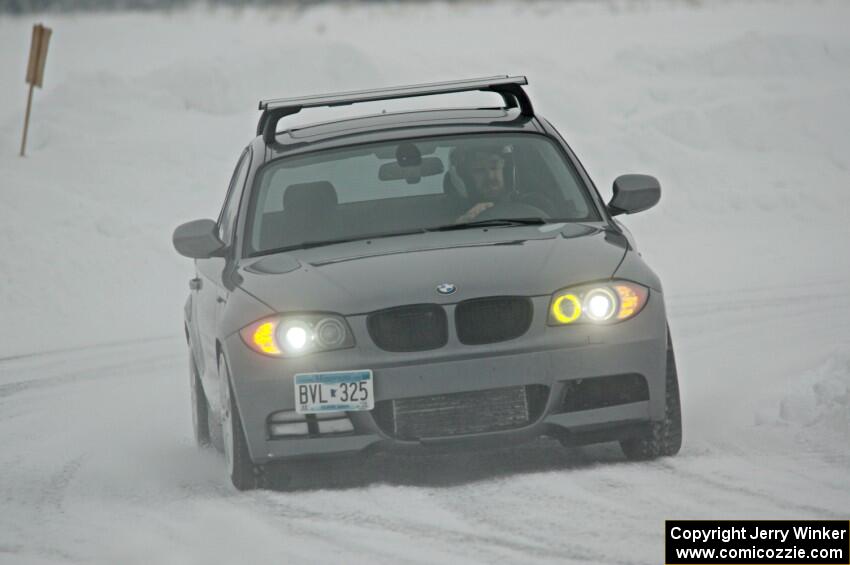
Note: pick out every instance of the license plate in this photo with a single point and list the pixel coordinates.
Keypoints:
(333, 391)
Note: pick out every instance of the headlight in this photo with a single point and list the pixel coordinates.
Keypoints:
(603, 303)
(290, 335)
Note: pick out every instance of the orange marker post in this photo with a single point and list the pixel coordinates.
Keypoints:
(35, 71)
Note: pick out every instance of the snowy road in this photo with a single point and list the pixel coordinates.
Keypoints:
(96, 452)
(740, 108)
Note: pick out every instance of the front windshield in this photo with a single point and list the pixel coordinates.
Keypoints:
(406, 186)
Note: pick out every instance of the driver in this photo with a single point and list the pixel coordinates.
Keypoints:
(483, 170)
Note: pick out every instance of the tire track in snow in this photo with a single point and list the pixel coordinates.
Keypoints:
(494, 544)
(103, 371)
(103, 366)
(737, 488)
(54, 491)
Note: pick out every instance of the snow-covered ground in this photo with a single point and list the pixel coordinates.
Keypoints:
(742, 109)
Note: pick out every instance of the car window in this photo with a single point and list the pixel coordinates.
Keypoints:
(227, 218)
(353, 176)
(411, 184)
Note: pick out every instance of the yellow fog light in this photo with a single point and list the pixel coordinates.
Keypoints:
(600, 303)
(291, 335)
(264, 339)
(566, 308)
(632, 299)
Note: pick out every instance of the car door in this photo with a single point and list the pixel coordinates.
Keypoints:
(212, 293)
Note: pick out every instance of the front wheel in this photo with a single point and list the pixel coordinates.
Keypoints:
(243, 473)
(200, 408)
(665, 438)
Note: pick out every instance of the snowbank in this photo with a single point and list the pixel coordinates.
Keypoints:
(820, 399)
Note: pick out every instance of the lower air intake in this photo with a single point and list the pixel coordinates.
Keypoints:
(461, 413)
(602, 392)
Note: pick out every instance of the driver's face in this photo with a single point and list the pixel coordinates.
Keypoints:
(488, 175)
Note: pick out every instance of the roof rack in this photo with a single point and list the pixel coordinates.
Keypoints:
(510, 88)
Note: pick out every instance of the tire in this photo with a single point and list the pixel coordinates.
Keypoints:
(200, 407)
(665, 438)
(242, 472)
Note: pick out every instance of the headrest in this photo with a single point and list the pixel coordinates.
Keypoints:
(453, 184)
(309, 196)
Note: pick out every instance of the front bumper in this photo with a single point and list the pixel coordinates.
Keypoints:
(553, 357)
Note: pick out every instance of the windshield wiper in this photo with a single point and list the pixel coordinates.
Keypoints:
(496, 222)
(323, 242)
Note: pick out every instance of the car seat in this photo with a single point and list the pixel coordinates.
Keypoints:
(309, 214)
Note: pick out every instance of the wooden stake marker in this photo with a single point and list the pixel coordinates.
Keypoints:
(35, 71)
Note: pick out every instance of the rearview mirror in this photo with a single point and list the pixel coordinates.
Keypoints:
(426, 167)
(634, 193)
(198, 239)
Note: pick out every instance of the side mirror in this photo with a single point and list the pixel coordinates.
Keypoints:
(198, 239)
(634, 193)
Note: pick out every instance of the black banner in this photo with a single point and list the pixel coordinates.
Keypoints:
(740, 542)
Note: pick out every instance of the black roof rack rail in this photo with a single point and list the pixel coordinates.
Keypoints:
(510, 88)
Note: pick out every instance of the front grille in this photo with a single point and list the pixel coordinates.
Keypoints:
(418, 327)
(601, 392)
(461, 413)
(493, 319)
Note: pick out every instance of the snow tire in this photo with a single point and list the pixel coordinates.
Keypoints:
(200, 407)
(665, 438)
(243, 473)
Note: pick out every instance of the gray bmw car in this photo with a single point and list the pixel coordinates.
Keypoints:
(418, 281)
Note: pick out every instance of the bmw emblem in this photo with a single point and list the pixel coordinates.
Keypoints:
(446, 288)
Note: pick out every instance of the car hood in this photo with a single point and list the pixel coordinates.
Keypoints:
(360, 276)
